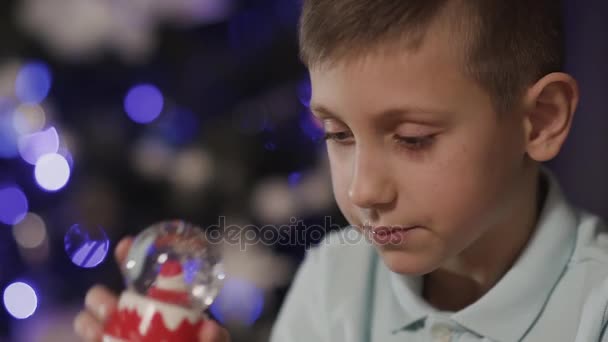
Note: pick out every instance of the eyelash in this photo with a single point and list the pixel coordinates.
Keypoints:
(410, 143)
(415, 143)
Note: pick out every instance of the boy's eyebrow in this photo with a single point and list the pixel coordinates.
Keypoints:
(322, 112)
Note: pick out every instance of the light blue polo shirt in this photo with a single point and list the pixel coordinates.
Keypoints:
(555, 291)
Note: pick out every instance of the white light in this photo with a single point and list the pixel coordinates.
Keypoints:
(131, 264)
(52, 172)
(28, 118)
(152, 158)
(33, 146)
(192, 169)
(30, 232)
(273, 201)
(20, 300)
(162, 258)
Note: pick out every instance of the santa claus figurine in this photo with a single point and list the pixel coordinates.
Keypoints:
(164, 309)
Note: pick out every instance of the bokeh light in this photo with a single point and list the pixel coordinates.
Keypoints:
(273, 202)
(8, 74)
(8, 134)
(144, 103)
(33, 82)
(180, 126)
(294, 178)
(20, 300)
(13, 206)
(239, 301)
(38, 255)
(35, 145)
(257, 263)
(311, 126)
(29, 118)
(314, 192)
(30, 232)
(65, 152)
(305, 92)
(86, 246)
(52, 172)
(192, 169)
(152, 158)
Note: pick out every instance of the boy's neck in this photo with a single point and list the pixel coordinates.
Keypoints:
(467, 277)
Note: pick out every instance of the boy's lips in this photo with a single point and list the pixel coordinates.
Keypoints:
(391, 235)
(386, 230)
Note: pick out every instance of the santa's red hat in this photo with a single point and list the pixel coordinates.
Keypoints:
(170, 286)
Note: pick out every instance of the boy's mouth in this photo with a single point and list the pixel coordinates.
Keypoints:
(386, 230)
(391, 234)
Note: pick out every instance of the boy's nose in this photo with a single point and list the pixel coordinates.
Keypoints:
(371, 184)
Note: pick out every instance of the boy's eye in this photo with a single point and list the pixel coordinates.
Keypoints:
(341, 137)
(411, 143)
(415, 143)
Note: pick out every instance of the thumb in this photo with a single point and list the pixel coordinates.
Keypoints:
(213, 332)
(120, 253)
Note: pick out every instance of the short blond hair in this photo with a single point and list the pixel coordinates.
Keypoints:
(509, 44)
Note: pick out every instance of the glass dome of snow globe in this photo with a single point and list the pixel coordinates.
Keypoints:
(173, 262)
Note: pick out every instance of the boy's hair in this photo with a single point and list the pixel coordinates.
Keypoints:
(507, 45)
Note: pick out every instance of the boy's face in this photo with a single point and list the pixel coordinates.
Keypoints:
(414, 143)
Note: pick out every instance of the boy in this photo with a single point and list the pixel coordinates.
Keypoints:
(438, 114)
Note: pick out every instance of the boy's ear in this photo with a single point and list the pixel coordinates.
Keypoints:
(549, 107)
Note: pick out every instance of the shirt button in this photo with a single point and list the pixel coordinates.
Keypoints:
(441, 333)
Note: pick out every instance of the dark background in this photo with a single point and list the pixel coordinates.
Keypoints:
(234, 140)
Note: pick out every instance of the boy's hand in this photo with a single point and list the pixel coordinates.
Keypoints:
(100, 302)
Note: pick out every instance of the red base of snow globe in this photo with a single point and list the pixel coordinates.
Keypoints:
(141, 319)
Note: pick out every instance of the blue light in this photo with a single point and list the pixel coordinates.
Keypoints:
(180, 126)
(86, 246)
(294, 178)
(13, 205)
(35, 145)
(52, 172)
(20, 300)
(311, 127)
(33, 82)
(238, 301)
(144, 103)
(8, 134)
(305, 91)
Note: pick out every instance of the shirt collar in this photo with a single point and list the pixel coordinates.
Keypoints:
(507, 311)
(408, 290)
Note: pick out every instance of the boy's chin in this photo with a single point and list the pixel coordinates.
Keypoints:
(405, 263)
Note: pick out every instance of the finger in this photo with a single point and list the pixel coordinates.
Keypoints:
(213, 332)
(100, 301)
(121, 250)
(88, 327)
